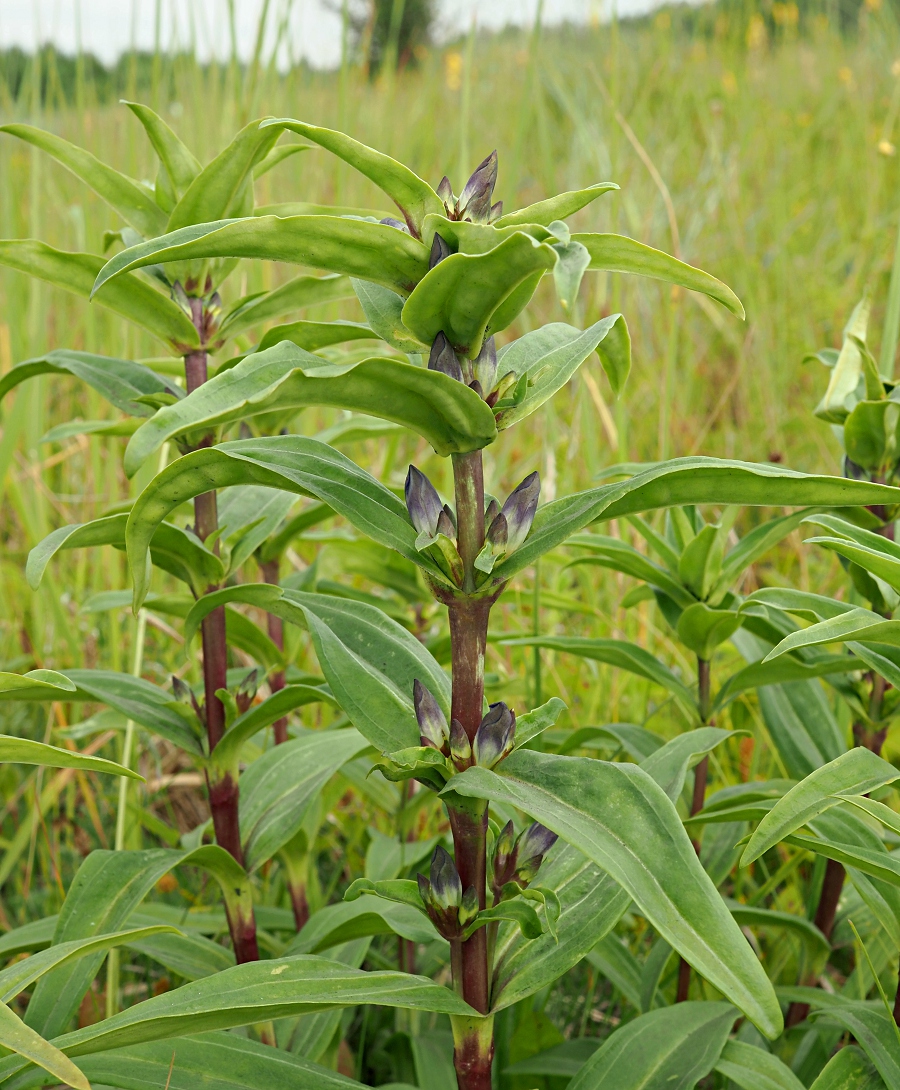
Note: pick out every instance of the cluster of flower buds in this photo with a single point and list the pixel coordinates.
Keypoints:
(479, 374)
(184, 694)
(449, 908)
(186, 296)
(474, 203)
(519, 859)
(493, 740)
(435, 524)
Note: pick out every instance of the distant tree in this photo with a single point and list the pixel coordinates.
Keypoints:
(401, 28)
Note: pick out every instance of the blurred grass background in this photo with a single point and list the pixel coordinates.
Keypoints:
(757, 143)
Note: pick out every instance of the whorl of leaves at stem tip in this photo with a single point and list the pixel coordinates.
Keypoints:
(518, 859)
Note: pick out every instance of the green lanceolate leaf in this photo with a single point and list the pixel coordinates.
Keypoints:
(667, 1049)
(102, 896)
(18, 1038)
(854, 625)
(415, 198)
(215, 1061)
(365, 916)
(132, 201)
(369, 661)
(384, 313)
(550, 356)
(617, 253)
(753, 1068)
(874, 1031)
(372, 251)
(24, 751)
(212, 193)
(190, 956)
(279, 787)
(559, 207)
(140, 700)
(23, 974)
(611, 552)
(621, 819)
(462, 296)
(687, 481)
(849, 1069)
(255, 719)
(838, 398)
(754, 545)
(177, 160)
(302, 291)
(35, 685)
(854, 773)
(303, 466)
(120, 382)
(811, 936)
(171, 548)
(453, 418)
(670, 764)
(131, 296)
(531, 724)
(591, 904)
(760, 674)
(701, 629)
(252, 993)
(618, 653)
(312, 336)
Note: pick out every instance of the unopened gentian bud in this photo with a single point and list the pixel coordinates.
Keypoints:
(446, 888)
(484, 366)
(389, 221)
(439, 250)
(448, 511)
(495, 736)
(183, 692)
(433, 729)
(496, 211)
(531, 847)
(443, 358)
(519, 510)
(503, 853)
(475, 199)
(493, 510)
(477, 387)
(468, 910)
(498, 533)
(460, 747)
(444, 525)
(422, 502)
(424, 890)
(445, 191)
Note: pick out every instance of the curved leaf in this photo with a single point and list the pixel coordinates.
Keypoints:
(453, 418)
(131, 296)
(349, 920)
(618, 653)
(687, 481)
(760, 674)
(215, 1061)
(612, 552)
(460, 296)
(120, 382)
(24, 751)
(874, 1031)
(312, 336)
(591, 905)
(372, 251)
(848, 1069)
(301, 291)
(211, 193)
(617, 253)
(278, 788)
(621, 819)
(18, 1038)
(753, 1068)
(853, 773)
(23, 974)
(669, 765)
(131, 200)
(383, 309)
(35, 685)
(415, 198)
(177, 160)
(263, 715)
(559, 207)
(303, 466)
(667, 1049)
(701, 629)
(811, 936)
(551, 355)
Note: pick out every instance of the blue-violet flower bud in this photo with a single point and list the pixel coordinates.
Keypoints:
(519, 510)
(422, 502)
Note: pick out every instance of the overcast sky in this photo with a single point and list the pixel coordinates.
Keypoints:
(107, 27)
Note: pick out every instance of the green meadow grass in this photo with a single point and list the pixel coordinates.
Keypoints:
(748, 147)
